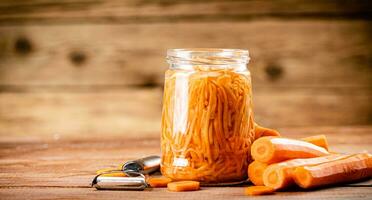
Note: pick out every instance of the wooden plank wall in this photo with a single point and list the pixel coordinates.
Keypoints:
(91, 67)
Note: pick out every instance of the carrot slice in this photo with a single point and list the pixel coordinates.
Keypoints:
(280, 175)
(158, 181)
(181, 186)
(275, 149)
(318, 140)
(353, 168)
(255, 172)
(262, 131)
(259, 190)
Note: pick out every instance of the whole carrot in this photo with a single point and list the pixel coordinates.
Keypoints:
(280, 175)
(255, 172)
(318, 140)
(276, 149)
(262, 131)
(352, 168)
(256, 168)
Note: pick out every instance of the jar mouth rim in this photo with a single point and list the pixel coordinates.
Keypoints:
(208, 52)
(209, 55)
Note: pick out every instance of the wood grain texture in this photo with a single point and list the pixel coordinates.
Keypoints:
(81, 84)
(63, 168)
(72, 67)
(120, 112)
(57, 193)
(139, 11)
(284, 53)
(128, 111)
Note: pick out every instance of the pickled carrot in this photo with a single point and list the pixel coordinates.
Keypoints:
(207, 125)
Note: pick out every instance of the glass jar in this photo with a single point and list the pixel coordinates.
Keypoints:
(207, 116)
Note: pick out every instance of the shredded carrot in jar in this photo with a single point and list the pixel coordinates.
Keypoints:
(207, 125)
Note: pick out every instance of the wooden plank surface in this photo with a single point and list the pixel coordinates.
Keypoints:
(139, 11)
(283, 53)
(62, 168)
(127, 111)
(58, 114)
(345, 193)
(96, 67)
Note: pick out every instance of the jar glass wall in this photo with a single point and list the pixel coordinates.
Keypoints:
(207, 116)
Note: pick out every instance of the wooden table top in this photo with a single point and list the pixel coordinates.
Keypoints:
(36, 167)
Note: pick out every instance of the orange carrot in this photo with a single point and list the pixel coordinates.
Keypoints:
(352, 168)
(318, 140)
(256, 168)
(181, 186)
(280, 175)
(158, 181)
(262, 131)
(255, 172)
(258, 190)
(275, 149)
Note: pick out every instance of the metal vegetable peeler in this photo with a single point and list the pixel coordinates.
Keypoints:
(135, 171)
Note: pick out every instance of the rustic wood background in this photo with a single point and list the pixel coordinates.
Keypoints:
(95, 67)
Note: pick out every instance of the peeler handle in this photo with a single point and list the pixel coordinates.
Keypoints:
(135, 179)
(146, 165)
(119, 183)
